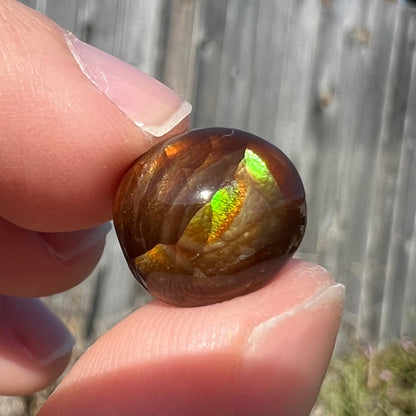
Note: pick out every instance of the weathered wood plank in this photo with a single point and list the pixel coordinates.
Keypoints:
(384, 190)
(403, 246)
(320, 130)
(405, 187)
(268, 62)
(211, 16)
(237, 59)
(332, 83)
(178, 71)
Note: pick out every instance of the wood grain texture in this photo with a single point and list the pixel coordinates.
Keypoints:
(333, 84)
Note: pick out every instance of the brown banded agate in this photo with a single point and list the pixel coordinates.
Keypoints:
(209, 215)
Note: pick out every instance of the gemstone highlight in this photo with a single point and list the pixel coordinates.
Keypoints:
(209, 215)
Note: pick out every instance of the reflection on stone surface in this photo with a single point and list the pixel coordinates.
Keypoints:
(209, 215)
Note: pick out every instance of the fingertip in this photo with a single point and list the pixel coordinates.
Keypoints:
(65, 142)
(285, 358)
(24, 378)
(204, 360)
(52, 262)
(70, 245)
(153, 107)
(35, 347)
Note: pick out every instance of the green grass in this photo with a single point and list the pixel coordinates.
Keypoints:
(361, 383)
(365, 383)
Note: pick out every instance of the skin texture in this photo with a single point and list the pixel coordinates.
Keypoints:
(64, 146)
(62, 157)
(240, 357)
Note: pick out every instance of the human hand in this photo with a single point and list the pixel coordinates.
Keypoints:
(64, 147)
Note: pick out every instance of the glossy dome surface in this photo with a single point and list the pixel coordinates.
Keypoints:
(209, 215)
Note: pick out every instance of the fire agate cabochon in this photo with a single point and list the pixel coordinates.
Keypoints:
(209, 215)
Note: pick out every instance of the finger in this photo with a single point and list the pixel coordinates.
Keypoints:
(35, 346)
(40, 264)
(260, 354)
(66, 139)
(72, 119)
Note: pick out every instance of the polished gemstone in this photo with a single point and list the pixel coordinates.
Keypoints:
(209, 215)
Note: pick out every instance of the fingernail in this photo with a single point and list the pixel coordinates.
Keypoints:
(68, 245)
(262, 340)
(285, 358)
(35, 331)
(152, 106)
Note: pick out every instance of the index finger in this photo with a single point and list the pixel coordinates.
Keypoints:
(72, 119)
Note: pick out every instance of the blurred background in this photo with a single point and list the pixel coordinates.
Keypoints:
(330, 82)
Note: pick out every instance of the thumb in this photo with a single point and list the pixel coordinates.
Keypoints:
(72, 118)
(260, 354)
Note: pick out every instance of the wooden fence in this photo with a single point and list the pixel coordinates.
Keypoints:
(332, 83)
